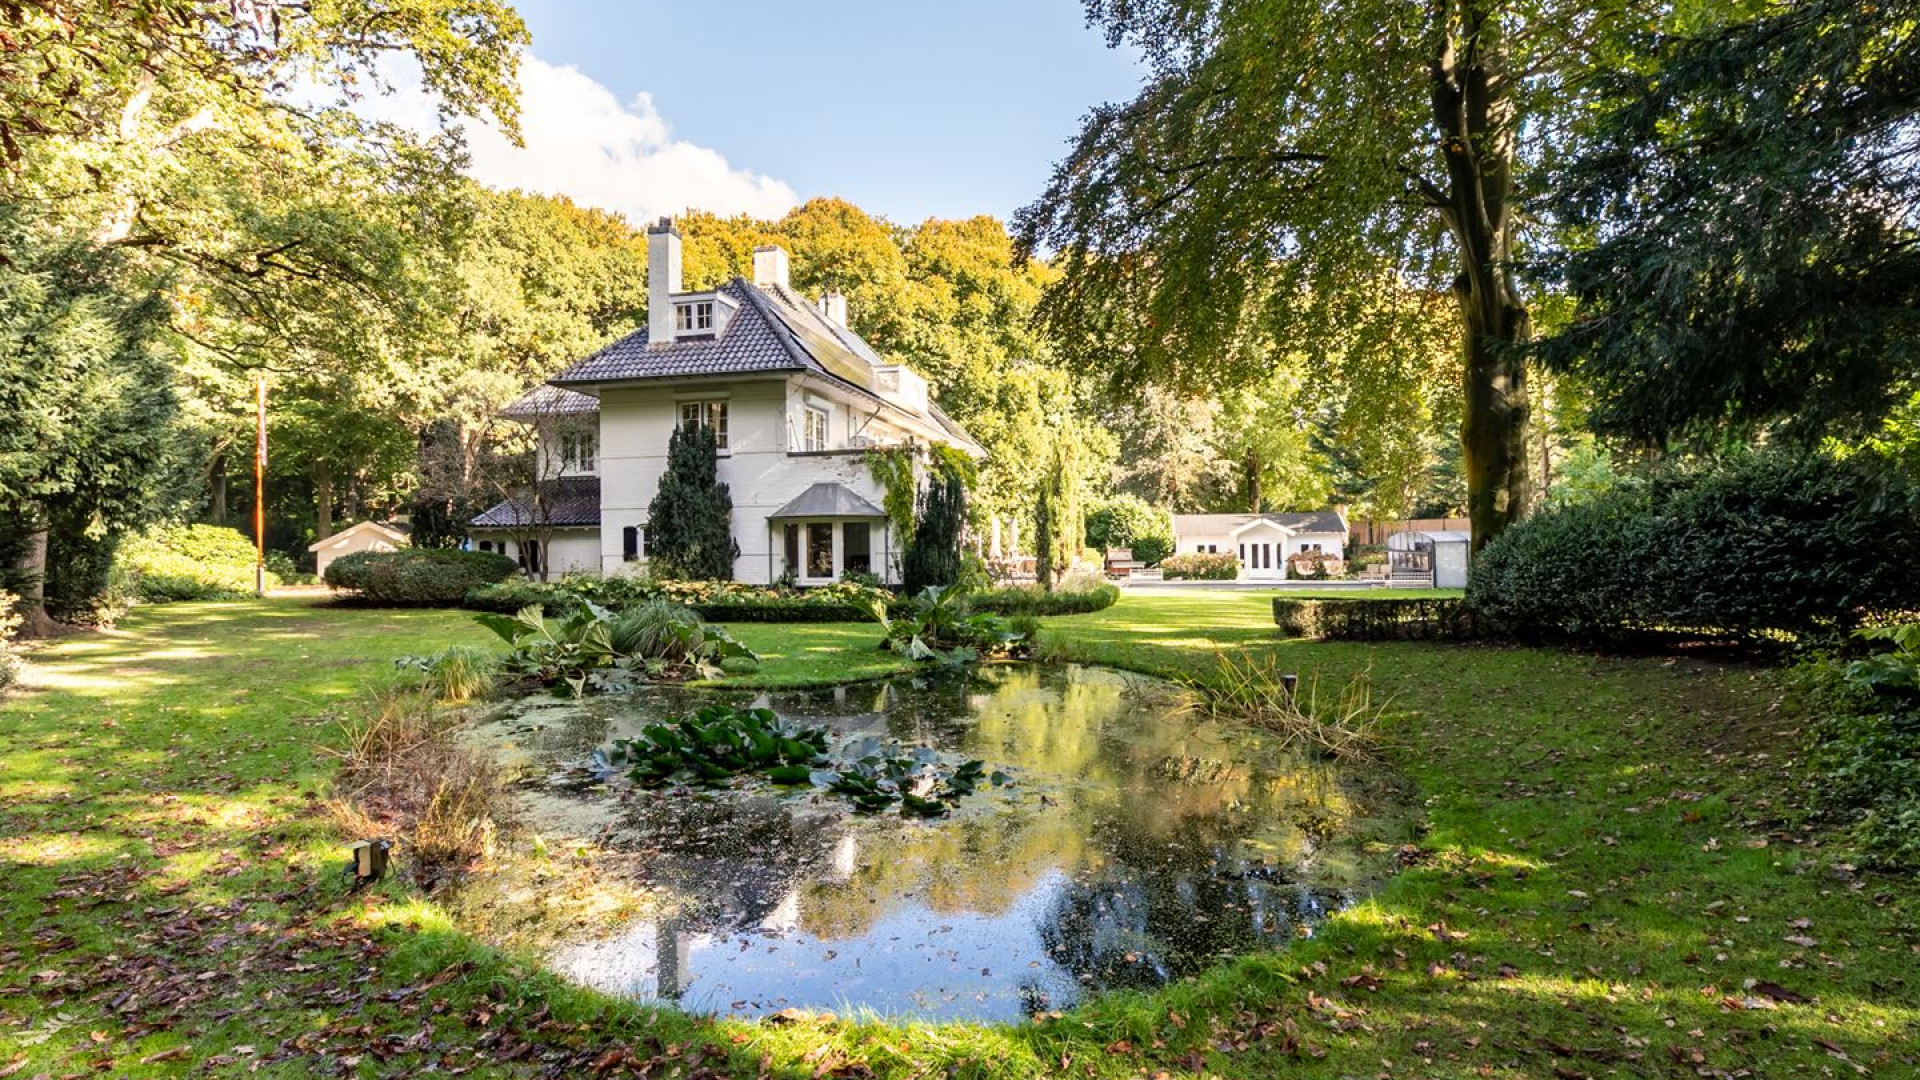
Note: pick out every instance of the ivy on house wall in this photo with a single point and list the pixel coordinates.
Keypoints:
(892, 468)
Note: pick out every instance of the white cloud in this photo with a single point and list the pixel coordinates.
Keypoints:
(582, 142)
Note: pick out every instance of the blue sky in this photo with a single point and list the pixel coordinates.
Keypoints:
(911, 109)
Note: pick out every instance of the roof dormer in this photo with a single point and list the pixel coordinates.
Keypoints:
(702, 315)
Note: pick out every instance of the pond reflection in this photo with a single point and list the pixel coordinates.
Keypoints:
(1138, 844)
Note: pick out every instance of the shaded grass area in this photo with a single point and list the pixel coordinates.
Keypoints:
(1611, 883)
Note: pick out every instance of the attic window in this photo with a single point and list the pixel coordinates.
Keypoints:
(693, 318)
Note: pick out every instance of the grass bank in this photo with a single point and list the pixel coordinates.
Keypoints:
(1611, 883)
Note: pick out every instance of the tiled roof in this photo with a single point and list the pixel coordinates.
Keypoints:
(827, 500)
(753, 342)
(774, 330)
(1319, 522)
(570, 501)
(545, 401)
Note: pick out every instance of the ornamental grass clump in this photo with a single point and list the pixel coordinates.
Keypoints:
(405, 777)
(1253, 690)
(454, 675)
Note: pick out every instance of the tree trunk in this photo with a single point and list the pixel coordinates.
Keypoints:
(1474, 114)
(1494, 432)
(217, 487)
(1250, 468)
(322, 499)
(32, 565)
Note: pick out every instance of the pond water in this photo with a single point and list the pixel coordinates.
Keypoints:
(1137, 844)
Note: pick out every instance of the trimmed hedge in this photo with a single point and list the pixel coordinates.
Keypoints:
(1365, 619)
(1201, 566)
(1777, 541)
(189, 562)
(1032, 600)
(417, 577)
(716, 601)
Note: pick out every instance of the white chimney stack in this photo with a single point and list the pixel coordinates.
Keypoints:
(834, 306)
(663, 279)
(770, 266)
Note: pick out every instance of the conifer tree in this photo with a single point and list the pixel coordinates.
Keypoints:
(933, 553)
(1043, 536)
(690, 522)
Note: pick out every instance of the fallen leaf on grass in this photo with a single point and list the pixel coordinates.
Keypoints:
(1776, 992)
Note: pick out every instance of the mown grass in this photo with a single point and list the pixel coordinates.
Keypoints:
(1610, 882)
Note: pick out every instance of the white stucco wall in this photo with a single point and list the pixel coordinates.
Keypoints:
(569, 551)
(349, 543)
(764, 418)
(1222, 540)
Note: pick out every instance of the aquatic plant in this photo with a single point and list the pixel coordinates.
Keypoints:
(591, 647)
(938, 625)
(919, 780)
(719, 743)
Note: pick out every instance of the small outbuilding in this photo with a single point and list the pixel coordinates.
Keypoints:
(366, 536)
(1439, 555)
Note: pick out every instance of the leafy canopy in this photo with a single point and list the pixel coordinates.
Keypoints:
(1752, 215)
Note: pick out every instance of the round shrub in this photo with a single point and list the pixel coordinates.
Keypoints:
(1127, 521)
(414, 577)
(1153, 548)
(189, 562)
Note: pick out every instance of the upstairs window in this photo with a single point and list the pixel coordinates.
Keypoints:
(693, 318)
(579, 451)
(816, 438)
(707, 414)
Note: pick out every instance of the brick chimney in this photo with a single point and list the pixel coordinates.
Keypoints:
(771, 266)
(663, 279)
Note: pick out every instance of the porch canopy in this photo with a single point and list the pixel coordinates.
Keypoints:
(827, 531)
(827, 500)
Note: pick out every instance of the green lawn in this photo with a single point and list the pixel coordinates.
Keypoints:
(1609, 882)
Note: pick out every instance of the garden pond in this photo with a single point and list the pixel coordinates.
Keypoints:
(1137, 843)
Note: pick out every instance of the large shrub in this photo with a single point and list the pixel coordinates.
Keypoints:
(416, 577)
(1201, 566)
(1798, 542)
(189, 562)
(1128, 521)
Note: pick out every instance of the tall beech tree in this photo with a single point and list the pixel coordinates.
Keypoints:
(1287, 156)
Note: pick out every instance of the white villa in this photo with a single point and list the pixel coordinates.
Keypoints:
(1263, 542)
(795, 398)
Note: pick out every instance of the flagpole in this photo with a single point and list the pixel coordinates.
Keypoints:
(260, 484)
